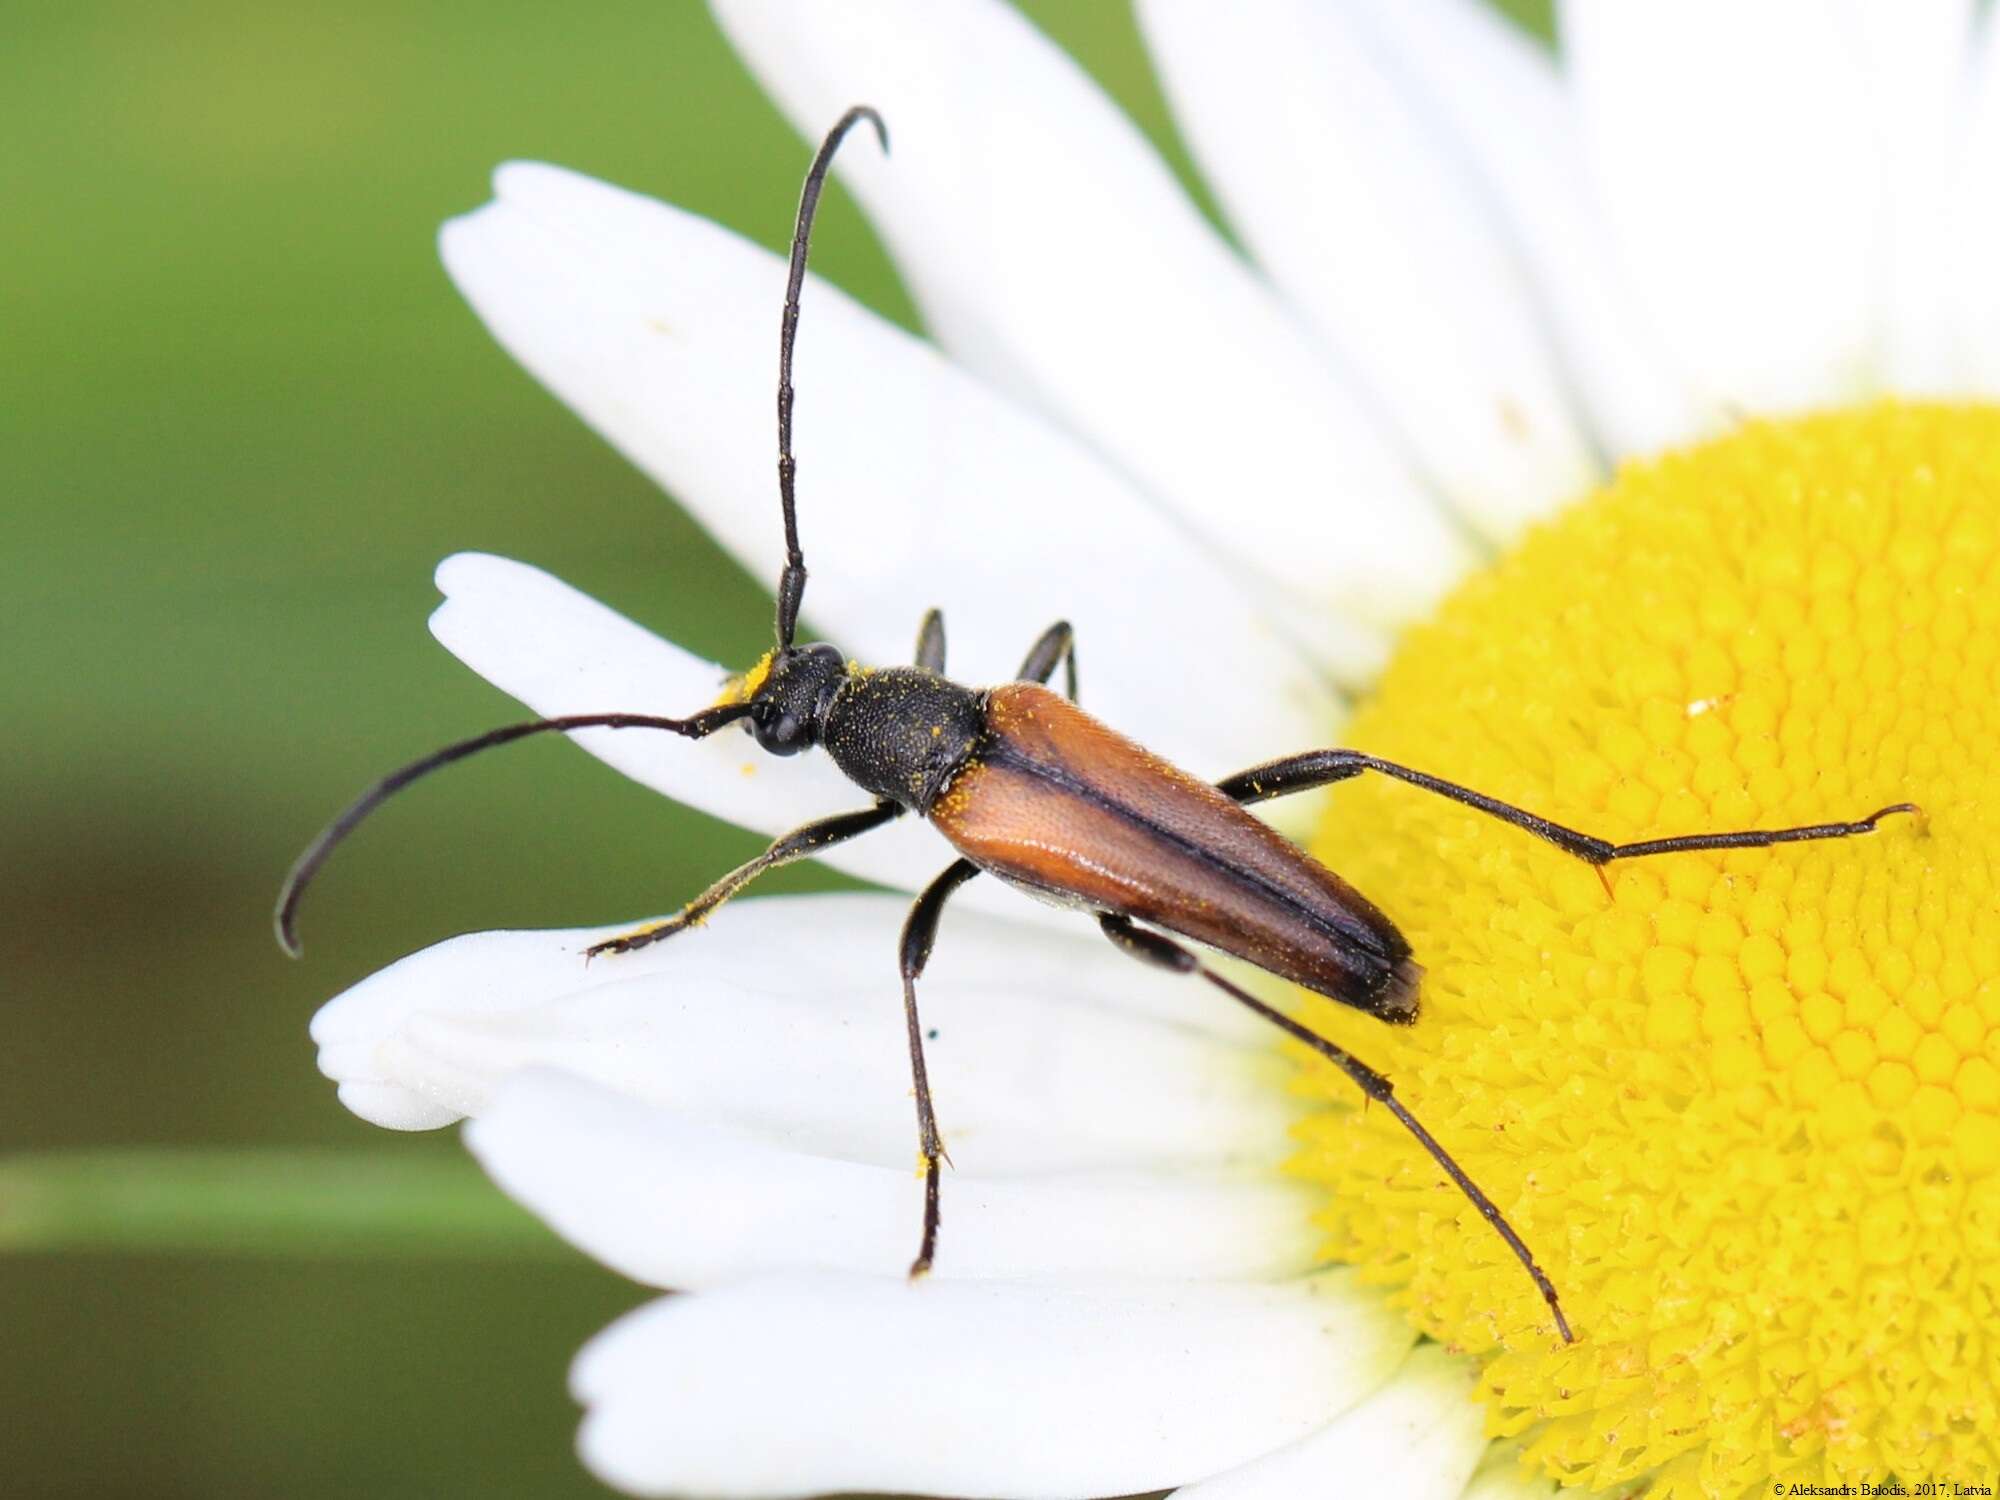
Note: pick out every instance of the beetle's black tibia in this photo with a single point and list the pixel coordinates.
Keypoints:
(919, 935)
(930, 641)
(1056, 645)
(1151, 948)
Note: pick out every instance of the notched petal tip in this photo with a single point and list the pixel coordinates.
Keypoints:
(459, 238)
(463, 570)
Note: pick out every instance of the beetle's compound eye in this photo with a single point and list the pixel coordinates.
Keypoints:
(780, 732)
(788, 703)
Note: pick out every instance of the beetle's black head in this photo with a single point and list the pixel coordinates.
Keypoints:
(789, 693)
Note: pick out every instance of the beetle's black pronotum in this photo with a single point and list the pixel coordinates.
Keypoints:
(1028, 787)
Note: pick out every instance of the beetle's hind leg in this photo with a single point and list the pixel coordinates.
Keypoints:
(1165, 953)
(919, 935)
(1316, 768)
(1055, 647)
(800, 842)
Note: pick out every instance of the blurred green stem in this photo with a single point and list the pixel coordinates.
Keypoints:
(261, 1202)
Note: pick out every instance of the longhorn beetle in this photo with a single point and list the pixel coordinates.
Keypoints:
(1027, 786)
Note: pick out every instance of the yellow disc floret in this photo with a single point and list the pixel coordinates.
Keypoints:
(1746, 1108)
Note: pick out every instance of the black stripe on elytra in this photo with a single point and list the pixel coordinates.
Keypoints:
(997, 752)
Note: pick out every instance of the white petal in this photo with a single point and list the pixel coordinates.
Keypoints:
(1347, 196)
(805, 1384)
(676, 1201)
(1501, 1477)
(1915, 57)
(1419, 1437)
(1473, 69)
(1050, 249)
(1976, 230)
(561, 652)
(784, 1018)
(919, 485)
(1742, 186)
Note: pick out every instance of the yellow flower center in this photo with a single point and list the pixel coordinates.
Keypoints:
(1745, 1109)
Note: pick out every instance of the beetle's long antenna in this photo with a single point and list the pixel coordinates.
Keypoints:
(792, 582)
(695, 727)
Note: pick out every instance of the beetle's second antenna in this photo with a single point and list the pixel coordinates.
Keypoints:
(792, 582)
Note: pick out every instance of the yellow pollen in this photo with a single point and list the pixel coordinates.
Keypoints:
(743, 689)
(1745, 1109)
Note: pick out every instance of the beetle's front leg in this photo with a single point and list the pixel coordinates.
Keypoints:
(800, 842)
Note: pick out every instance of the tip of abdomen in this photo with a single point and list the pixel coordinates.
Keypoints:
(1396, 1000)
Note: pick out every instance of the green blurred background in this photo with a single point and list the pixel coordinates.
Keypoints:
(242, 415)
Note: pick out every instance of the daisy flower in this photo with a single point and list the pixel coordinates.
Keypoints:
(1602, 431)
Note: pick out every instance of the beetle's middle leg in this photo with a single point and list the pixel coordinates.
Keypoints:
(800, 842)
(1055, 647)
(930, 642)
(919, 934)
(1164, 953)
(1300, 773)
